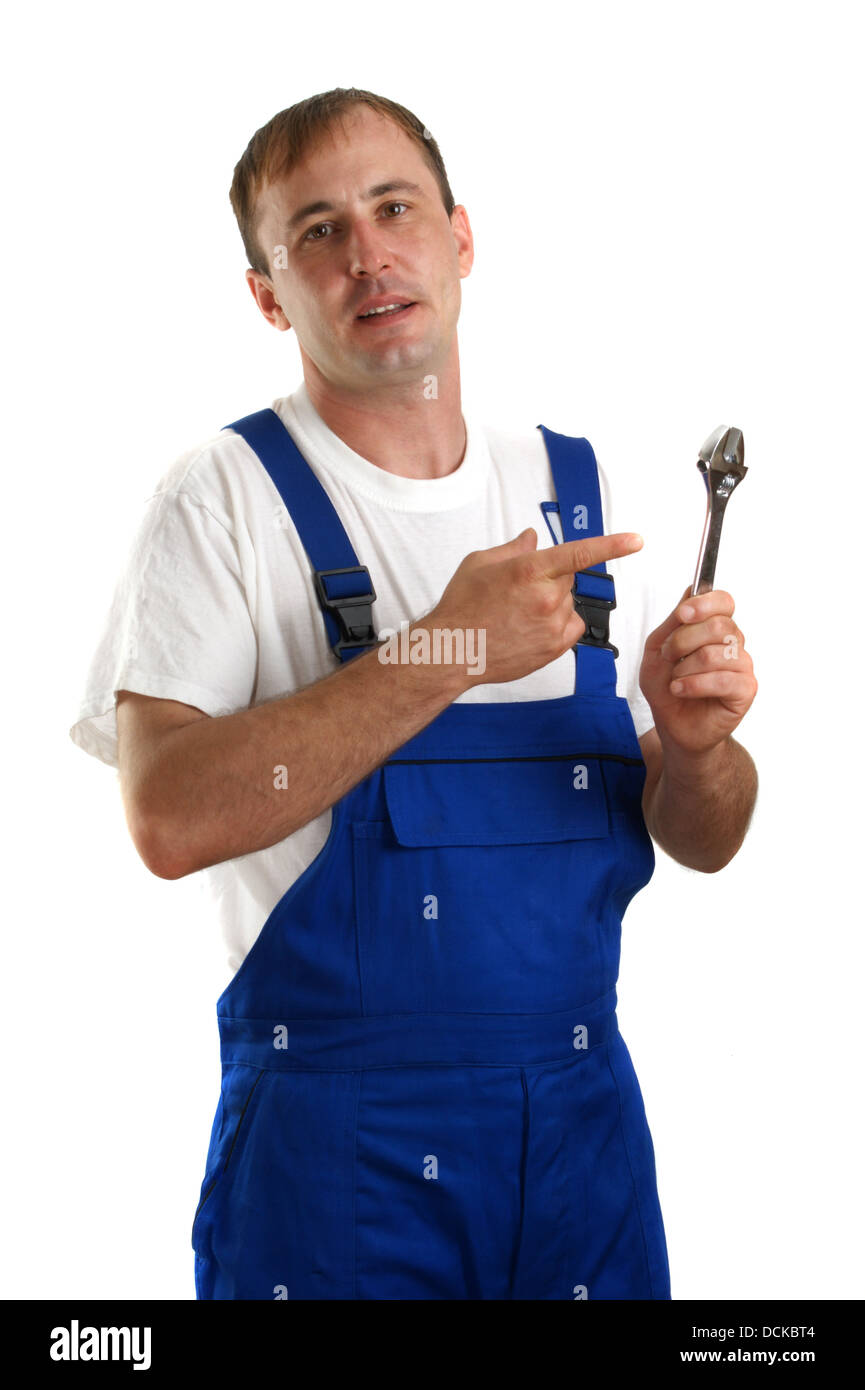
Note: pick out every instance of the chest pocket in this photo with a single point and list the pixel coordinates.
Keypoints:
(487, 888)
(496, 802)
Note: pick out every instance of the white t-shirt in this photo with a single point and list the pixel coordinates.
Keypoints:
(215, 607)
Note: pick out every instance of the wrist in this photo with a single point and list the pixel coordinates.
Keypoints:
(689, 768)
(433, 656)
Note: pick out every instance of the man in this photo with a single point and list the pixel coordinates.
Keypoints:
(424, 812)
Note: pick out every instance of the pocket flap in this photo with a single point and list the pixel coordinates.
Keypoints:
(519, 801)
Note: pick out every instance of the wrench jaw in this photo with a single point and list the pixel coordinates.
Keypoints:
(721, 461)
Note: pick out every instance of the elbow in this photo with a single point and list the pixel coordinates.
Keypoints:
(714, 865)
(159, 847)
(713, 868)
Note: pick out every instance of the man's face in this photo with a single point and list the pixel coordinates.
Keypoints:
(365, 243)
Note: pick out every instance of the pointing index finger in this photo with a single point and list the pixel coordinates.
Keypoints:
(570, 556)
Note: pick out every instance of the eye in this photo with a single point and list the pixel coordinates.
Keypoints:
(319, 226)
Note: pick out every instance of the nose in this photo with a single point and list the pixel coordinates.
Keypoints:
(367, 252)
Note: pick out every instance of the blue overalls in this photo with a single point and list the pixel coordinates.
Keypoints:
(424, 1090)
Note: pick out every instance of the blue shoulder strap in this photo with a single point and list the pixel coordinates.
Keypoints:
(575, 475)
(343, 587)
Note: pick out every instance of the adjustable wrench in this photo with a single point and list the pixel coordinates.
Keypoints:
(721, 462)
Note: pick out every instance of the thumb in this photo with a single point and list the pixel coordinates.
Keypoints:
(527, 540)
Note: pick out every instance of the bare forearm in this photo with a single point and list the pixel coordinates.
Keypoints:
(215, 789)
(700, 808)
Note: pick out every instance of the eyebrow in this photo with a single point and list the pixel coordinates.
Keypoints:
(377, 191)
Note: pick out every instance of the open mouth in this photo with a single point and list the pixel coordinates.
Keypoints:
(379, 315)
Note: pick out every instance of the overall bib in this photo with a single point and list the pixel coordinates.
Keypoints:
(425, 1094)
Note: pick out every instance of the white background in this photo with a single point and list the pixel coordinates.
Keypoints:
(667, 209)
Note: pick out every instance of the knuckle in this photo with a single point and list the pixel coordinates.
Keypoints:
(526, 569)
(582, 554)
(548, 600)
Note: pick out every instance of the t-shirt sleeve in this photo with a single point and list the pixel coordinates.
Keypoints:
(179, 625)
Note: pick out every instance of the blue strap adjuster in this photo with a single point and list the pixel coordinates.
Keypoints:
(594, 608)
(352, 611)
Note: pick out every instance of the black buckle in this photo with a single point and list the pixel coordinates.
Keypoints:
(595, 613)
(353, 613)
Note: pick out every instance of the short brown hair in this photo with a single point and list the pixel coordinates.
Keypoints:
(274, 150)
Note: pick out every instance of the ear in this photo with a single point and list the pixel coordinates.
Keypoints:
(261, 288)
(462, 232)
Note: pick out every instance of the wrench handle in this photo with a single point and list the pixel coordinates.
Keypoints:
(707, 559)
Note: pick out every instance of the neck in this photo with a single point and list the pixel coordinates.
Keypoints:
(399, 427)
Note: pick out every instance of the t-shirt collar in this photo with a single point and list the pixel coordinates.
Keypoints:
(323, 448)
